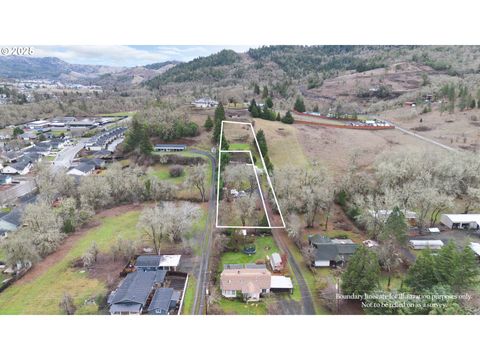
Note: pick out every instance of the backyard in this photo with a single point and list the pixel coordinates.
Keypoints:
(41, 290)
(265, 246)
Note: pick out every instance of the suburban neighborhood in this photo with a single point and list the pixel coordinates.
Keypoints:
(319, 195)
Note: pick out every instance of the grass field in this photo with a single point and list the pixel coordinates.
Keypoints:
(189, 295)
(265, 246)
(162, 172)
(42, 295)
(283, 145)
(237, 307)
(239, 146)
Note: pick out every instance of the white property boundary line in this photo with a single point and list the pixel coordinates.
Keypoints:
(220, 151)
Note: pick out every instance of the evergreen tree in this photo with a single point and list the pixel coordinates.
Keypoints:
(279, 117)
(225, 144)
(422, 274)
(255, 112)
(256, 89)
(299, 105)
(253, 104)
(288, 118)
(447, 263)
(262, 142)
(362, 274)
(265, 92)
(219, 113)
(395, 227)
(17, 131)
(268, 164)
(467, 271)
(315, 108)
(137, 138)
(208, 123)
(269, 102)
(219, 116)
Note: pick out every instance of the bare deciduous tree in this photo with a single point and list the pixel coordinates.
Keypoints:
(197, 178)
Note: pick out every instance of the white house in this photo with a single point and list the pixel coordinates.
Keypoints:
(461, 221)
(426, 244)
(82, 169)
(20, 168)
(205, 103)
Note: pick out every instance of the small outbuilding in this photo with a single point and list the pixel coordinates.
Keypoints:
(170, 147)
(426, 244)
(276, 262)
(281, 284)
(461, 221)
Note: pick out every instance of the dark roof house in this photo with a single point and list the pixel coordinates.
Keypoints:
(331, 252)
(132, 294)
(164, 300)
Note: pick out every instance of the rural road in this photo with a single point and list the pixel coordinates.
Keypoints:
(202, 276)
(280, 236)
(448, 148)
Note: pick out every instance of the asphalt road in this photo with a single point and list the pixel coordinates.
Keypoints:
(66, 155)
(280, 236)
(203, 274)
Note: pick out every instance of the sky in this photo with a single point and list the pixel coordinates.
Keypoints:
(129, 55)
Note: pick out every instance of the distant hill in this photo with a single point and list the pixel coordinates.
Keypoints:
(51, 68)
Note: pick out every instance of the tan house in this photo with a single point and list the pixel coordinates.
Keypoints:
(251, 283)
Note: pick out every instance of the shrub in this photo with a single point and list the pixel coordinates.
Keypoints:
(176, 171)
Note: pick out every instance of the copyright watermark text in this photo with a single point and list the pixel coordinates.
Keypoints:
(17, 51)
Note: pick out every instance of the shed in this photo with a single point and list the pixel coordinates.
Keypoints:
(461, 221)
(276, 262)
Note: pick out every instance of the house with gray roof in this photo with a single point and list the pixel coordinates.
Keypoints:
(331, 252)
(133, 293)
(164, 300)
(10, 221)
(82, 169)
(21, 167)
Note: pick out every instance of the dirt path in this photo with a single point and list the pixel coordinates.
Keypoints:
(41, 267)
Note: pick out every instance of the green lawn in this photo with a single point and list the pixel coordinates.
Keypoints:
(162, 172)
(42, 295)
(239, 146)
(265, 246)
(189, 296)
(191, 154)
(238, 307)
